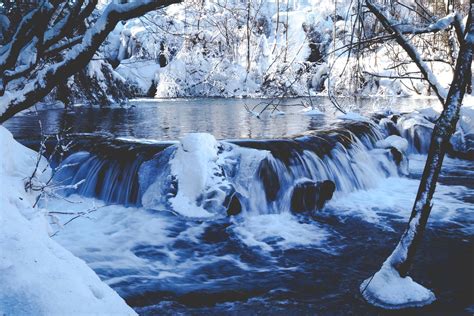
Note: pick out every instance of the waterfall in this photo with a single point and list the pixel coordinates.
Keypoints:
(203, 177)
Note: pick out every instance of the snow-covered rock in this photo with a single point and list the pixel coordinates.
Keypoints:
(38, 276)
(393, 141)
(312, 112)
(191, 175)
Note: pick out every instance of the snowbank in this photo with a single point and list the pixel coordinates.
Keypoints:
(38, 276)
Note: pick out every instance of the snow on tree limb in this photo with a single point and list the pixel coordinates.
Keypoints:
(410, 50)
(440, 25)
(63, 26)
(22, 36)
(76, 58)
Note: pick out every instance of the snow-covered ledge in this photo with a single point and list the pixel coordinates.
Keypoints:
(37, 275)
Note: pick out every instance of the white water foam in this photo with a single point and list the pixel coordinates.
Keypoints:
(282, 231)
(393, 197)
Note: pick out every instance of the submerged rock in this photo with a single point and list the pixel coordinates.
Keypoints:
(309, 195)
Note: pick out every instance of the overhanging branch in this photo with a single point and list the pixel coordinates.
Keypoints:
(410, 50)
(76, 58)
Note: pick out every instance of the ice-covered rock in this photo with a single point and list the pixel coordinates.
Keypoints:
(417, 130)
(190, 178)
(312, 112)
(196, 169)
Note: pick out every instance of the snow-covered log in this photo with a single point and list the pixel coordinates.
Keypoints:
(19, 92)
(391, 287)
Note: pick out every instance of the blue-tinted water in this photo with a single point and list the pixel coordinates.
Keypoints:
(263, 263)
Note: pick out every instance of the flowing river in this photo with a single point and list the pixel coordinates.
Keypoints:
(189, 206)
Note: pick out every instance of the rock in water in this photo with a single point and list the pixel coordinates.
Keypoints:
(326, 190)
(397, 155)
(309, 195)
(234, 207)
(269, 177)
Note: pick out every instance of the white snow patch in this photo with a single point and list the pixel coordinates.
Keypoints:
(37, 275)
(393, 141)
(193, 165)
(388, 290)
(353, 117)
(312, 111)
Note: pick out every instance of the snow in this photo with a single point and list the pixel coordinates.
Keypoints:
(388, 290)
(141, 72)
(312, 111)
(193, 166)
(38, 276)
(352, 116)
(393, 141)
(196, 168)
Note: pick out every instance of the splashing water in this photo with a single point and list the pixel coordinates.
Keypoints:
(196, 256)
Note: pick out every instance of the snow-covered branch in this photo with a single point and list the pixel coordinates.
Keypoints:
(74, 58)
(440, 25)
(410, 49)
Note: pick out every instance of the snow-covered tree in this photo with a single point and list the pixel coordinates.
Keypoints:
(53, 40)
(391, 287)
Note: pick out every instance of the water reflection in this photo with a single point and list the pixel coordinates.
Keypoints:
(170, 119)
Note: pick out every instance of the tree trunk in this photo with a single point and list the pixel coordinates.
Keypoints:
(402, 257)
(248, 37)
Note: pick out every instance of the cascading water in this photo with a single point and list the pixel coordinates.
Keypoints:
(201, 177)
(172, 248)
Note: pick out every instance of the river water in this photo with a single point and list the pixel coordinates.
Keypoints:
(171, 119)
(265, 260)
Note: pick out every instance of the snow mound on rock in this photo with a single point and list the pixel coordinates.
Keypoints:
(393, 141)
(195, 166)
(312, 111)
(352, 116)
